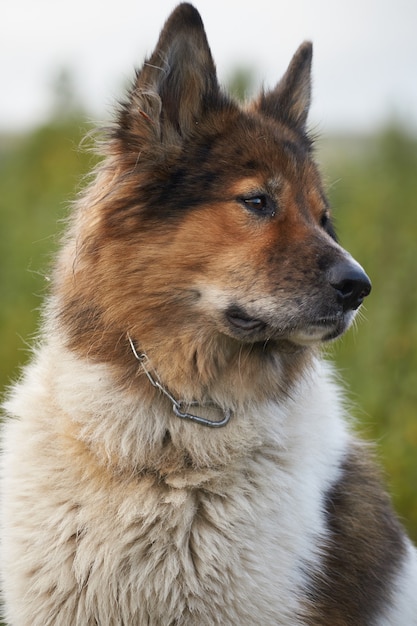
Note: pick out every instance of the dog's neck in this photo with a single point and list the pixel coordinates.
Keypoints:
(179, 406)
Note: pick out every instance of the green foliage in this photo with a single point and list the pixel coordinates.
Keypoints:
(38, 174)
(374, 201)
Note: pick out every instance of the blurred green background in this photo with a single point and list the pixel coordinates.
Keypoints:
(372, 185)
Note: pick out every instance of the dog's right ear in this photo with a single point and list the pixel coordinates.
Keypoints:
(289, 102)
(175, 84)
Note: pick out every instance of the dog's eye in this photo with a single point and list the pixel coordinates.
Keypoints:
(261, 204)
(327, 225)
(324, 220)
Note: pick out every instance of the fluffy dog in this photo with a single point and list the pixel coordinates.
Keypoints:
(178, 452)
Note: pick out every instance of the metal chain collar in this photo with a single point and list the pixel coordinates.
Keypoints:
(178, 407)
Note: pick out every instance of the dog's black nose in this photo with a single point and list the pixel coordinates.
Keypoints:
(351, 284)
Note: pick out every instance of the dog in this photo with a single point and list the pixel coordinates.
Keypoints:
(178, 452)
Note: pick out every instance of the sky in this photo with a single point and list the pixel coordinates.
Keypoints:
(364, 66)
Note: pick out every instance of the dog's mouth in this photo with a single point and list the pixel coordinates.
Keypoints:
(242, 322)
(320, 330)
(304, 332)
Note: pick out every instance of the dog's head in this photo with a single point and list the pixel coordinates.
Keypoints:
(208, 225)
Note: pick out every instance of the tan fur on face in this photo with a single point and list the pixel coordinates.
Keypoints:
(166, 274)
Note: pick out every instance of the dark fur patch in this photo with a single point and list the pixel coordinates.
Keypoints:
(220, 151)
(365, 550)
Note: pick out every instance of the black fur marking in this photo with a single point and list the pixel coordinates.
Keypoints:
(197, 175)
(365, 550)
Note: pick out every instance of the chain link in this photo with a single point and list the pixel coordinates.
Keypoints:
(177, 406)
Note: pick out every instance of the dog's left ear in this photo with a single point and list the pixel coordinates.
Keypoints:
(177, 83)
(289, 102)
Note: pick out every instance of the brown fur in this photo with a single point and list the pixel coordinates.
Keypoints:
(365, 549)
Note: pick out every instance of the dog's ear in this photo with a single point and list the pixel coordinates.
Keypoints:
(289, 102)
(177, 82)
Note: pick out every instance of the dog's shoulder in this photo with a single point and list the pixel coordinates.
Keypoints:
(368, 562)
